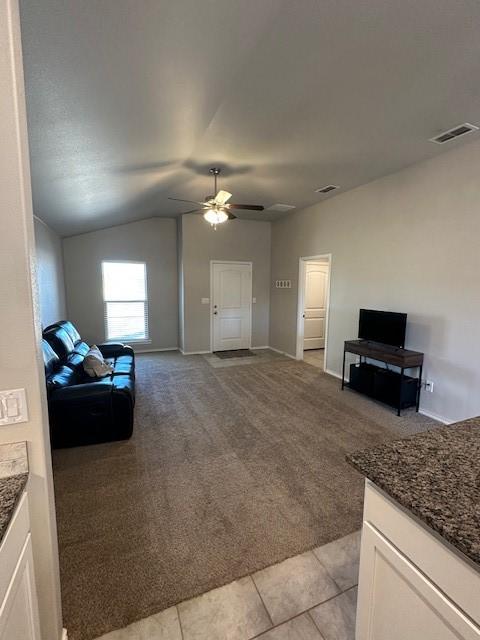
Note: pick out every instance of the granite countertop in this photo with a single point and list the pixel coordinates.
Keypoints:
(436, 476)
(11, 489)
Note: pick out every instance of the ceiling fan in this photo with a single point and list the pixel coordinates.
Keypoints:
(216, 209)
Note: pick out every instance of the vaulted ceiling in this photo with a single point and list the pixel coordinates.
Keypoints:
(130, 101)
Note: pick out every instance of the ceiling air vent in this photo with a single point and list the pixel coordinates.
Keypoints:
(456, 132)
(281, 207)
(327, 189)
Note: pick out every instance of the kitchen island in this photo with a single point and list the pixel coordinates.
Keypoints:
(420, 554)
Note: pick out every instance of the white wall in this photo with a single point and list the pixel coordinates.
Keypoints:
(20, 333)
(51, 285)
(242, 240)
(409, 242)
(153, 241)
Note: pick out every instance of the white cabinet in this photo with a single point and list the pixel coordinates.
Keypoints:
(19, 609)
(18, 616)
(412, 586)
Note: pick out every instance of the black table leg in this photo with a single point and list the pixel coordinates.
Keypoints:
(343, 370)
(419, 387)
(400, 392)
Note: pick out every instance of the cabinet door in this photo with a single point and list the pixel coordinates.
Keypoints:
(397, 601)
(19, 611)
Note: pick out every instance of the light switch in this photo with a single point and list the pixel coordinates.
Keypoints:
(205, 300)
(13, 406)
(254, 300)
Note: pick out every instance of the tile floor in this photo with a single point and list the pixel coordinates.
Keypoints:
(311, 596)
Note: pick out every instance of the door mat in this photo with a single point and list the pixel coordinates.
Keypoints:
(236, 353)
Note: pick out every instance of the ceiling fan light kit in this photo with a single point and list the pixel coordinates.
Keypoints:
(215, 216)
(216, 209)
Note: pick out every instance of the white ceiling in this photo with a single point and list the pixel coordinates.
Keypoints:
(130, 101)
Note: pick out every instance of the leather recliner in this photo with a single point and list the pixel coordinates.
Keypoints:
(85, 410)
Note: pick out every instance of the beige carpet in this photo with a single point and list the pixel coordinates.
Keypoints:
(229, 470)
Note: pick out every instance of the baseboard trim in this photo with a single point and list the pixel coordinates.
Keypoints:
(193, 353)
(156, 350)
(64, 634)
(254, 348)
(334, 374)
(283, 353)
(434, 416)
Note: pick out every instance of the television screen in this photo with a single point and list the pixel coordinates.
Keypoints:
(382, 326)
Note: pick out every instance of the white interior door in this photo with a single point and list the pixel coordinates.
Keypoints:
(316, 285)
(231, 305)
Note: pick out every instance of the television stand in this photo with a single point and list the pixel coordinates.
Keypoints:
(378, 345)
(392, 387)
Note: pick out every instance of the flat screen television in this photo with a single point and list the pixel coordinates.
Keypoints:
(385, 327)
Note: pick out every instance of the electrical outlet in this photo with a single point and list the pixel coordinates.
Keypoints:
(428, 385)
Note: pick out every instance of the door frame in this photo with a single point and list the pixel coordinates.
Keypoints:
(239, 262)
(302, 264)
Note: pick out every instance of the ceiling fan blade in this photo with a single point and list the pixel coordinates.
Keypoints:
(190, 201)
(252, 207)
(184, 213)
(230, 215)
(222, 197)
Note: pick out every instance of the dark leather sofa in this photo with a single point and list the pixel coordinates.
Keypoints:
(85, 410)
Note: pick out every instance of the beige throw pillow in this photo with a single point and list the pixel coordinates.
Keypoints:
(94, 364)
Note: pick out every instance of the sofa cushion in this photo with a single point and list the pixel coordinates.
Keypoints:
(70, 328)
(81, 348)
(64, 377)
(75, 361)
(50, 358)
(122, 368)
(60, 341)
(123, 365)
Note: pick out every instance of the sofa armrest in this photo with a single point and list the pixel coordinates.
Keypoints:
(114, 349)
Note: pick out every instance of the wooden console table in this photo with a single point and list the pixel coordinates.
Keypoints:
(401, 358)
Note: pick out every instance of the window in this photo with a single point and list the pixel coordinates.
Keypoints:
(125, 300)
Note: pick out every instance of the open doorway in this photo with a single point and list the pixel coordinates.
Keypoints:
(313, 303)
